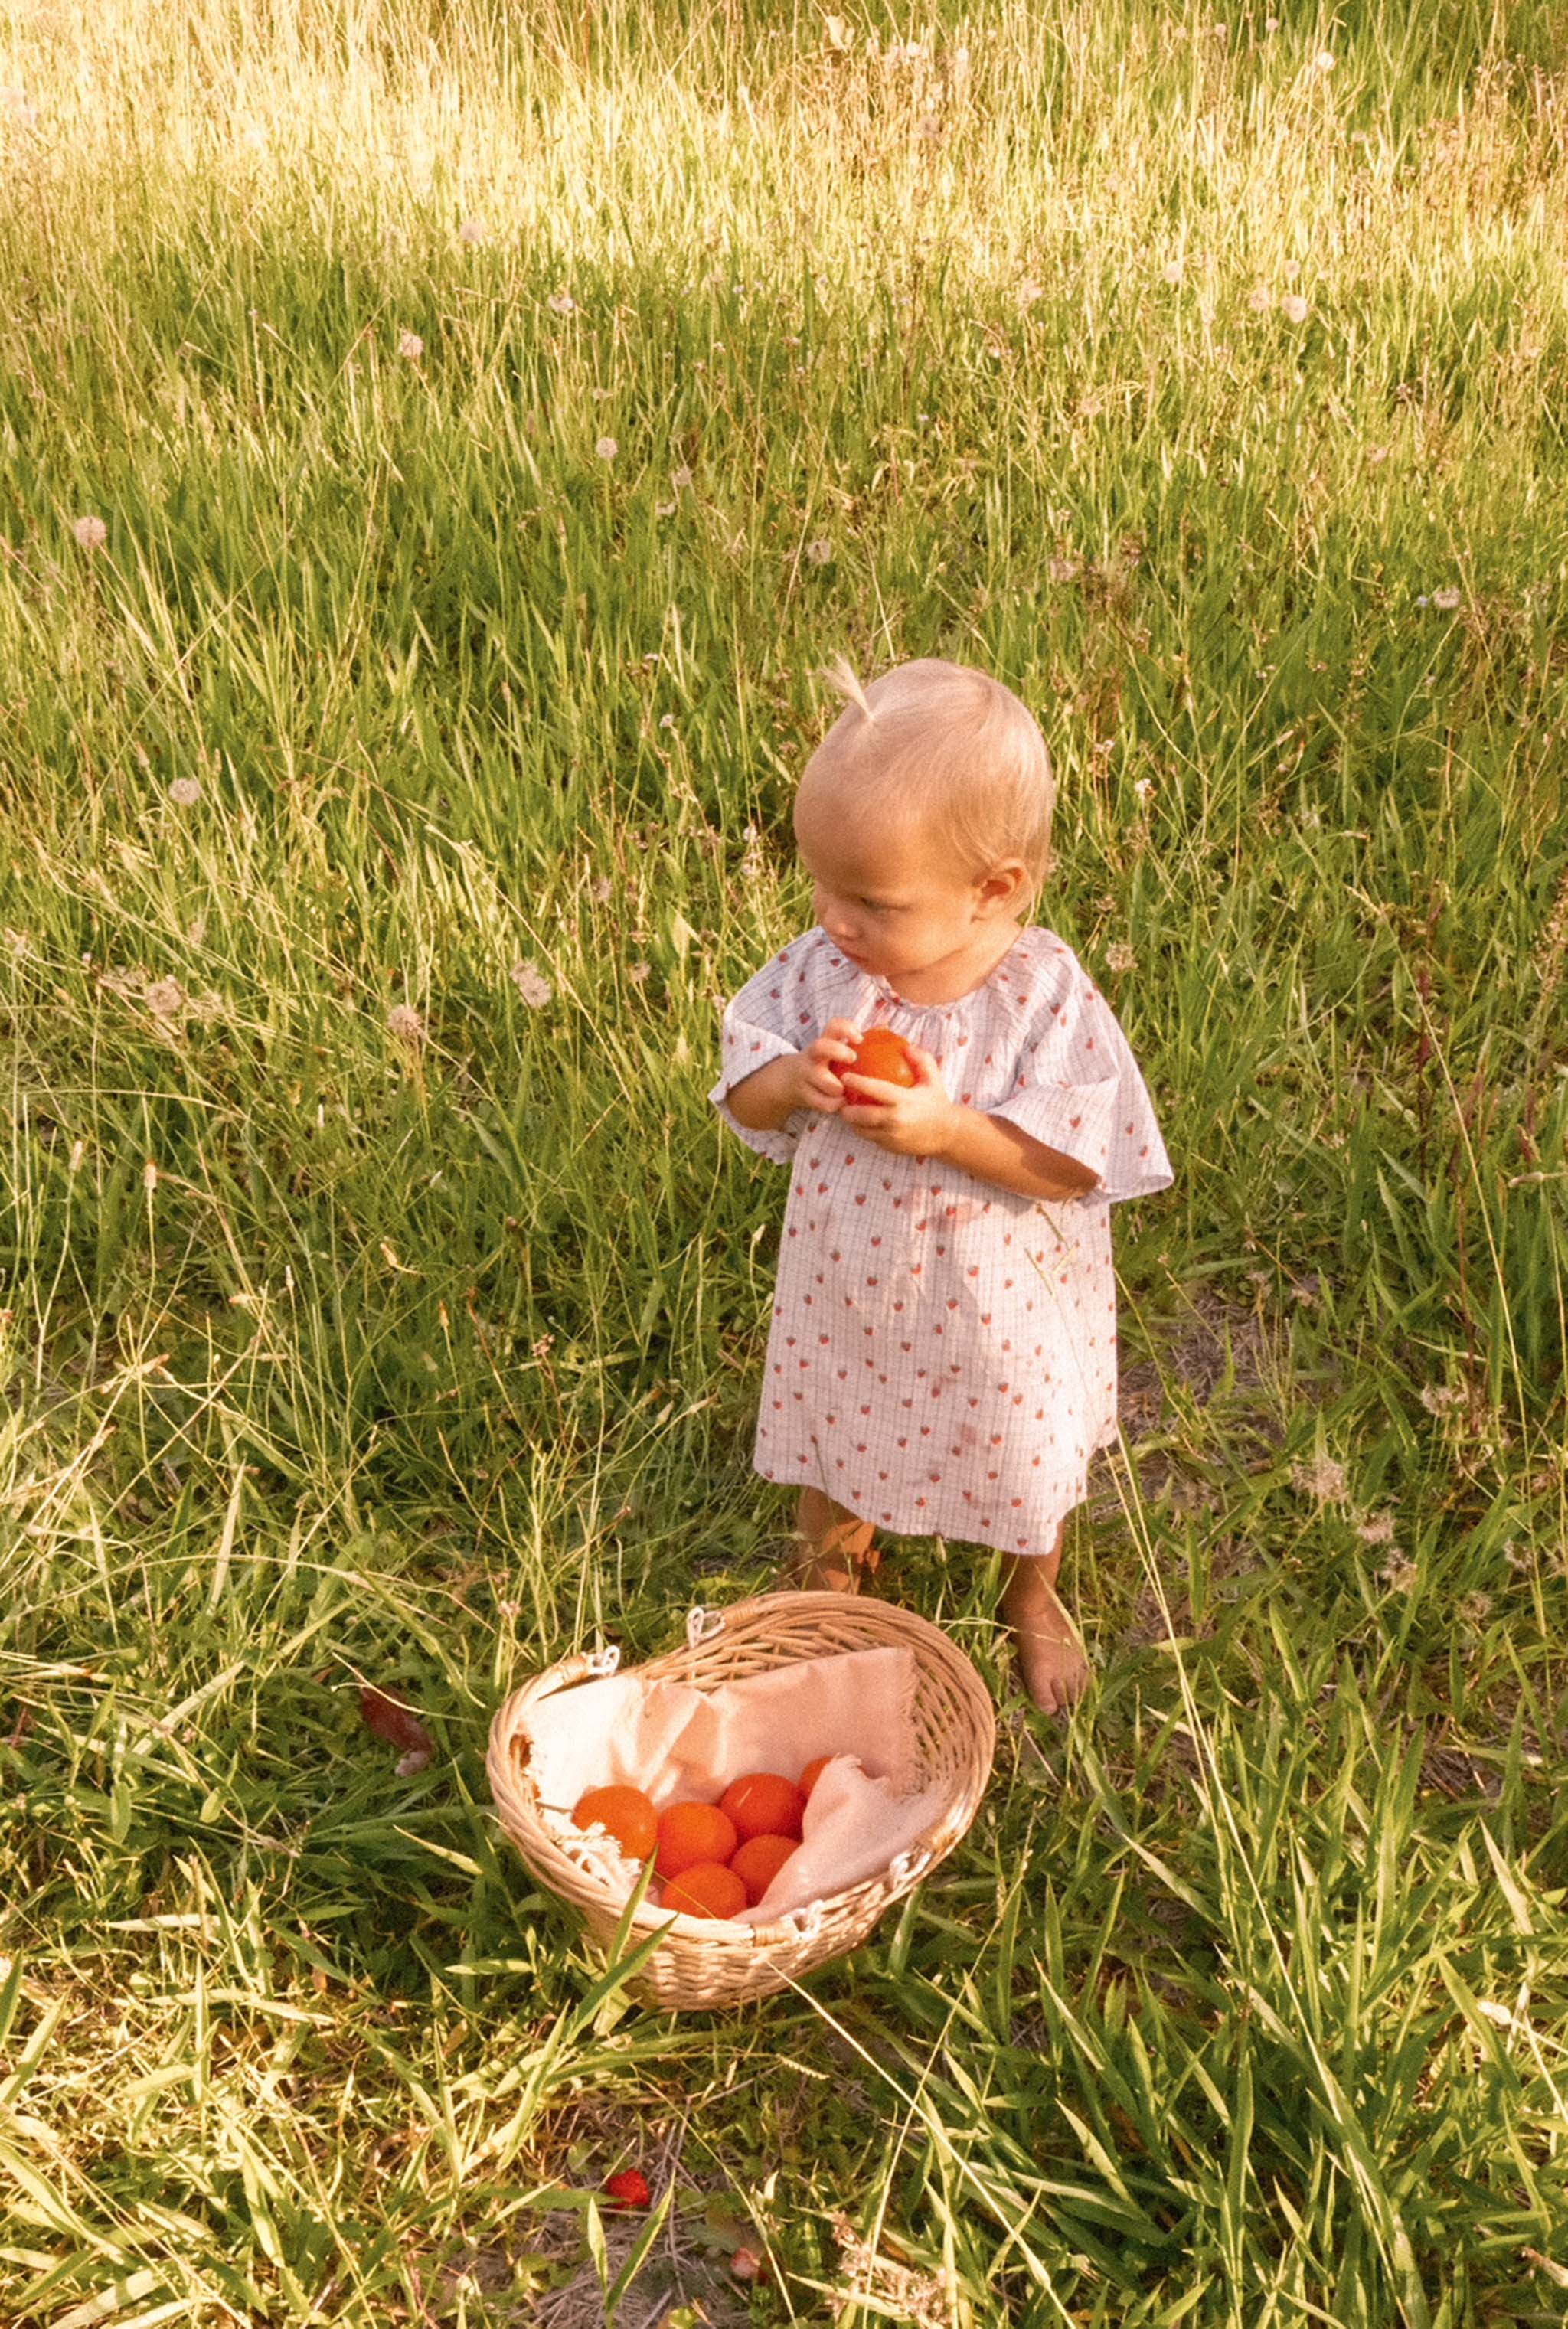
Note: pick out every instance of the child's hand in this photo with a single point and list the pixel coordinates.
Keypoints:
(916, 1122)
(818, 1084)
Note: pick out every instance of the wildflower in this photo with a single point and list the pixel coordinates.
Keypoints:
(470, 233)
(1438, 1398)
(665, 509)
(666, 719)
(1322, 1478)
(410, 345)
(185, 792)
(1120, 957)
(166, 998)
(680, 478)
(532, 984)
(1063, 570)
(606, 448)
(404, 1022)
(149, 1177)
(1294, 309)
(1259, 300)
(819, 551)
(90, 531)
(1475, 1608)
(1400, 1576)
(1029, 291)
(544, 1346)
(638, 972)
(930, 127)
(1376, 1529)
(1271, 23)
(1447, 599)
(1323, 62)
(561, 302)
(1143, 791)
(602, 893)
(1173, 270)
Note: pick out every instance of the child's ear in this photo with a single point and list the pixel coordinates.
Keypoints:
(1004, 887)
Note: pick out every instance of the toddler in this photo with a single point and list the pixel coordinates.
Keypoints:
(942, 1356)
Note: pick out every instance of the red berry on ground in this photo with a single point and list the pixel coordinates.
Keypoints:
(629, 2189)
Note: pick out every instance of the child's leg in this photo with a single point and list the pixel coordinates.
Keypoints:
(831, 1544)
(1051, 1657)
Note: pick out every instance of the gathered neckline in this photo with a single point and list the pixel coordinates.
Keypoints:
(907, 1003)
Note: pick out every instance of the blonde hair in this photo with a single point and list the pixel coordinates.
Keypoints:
(953, 745)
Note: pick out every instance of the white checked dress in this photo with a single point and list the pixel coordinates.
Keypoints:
(942, 1354)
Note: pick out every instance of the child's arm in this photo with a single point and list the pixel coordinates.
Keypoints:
(765, 1101)
(924, 1122)
(1004, 1154)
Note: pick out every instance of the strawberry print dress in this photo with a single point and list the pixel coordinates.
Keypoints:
(942, 1354)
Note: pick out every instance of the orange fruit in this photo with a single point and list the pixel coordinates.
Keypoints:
(763, 1804)
(759, 1860)
(812, 1773)
(705, 1890)
(691, 1834)
(880, 1053)
(624, 1813)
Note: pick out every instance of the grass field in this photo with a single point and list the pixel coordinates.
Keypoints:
(441, 443)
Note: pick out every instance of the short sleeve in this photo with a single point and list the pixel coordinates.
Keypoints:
(761, 1025)
(1078, 1090)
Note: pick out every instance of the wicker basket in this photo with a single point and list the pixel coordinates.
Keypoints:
(704, 1961)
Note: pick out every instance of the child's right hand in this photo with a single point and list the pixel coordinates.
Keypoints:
(818, 1085)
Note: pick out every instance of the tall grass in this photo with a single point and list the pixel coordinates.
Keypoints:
(492, 421)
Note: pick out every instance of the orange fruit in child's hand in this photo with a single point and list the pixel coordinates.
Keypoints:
(764, 1804)
(626, 1814)
(759, 1860)
(691, 1833)
(881, 1053)
(707, 1890)
(812, 1773)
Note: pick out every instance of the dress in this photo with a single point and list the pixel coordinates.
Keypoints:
(942, 1354)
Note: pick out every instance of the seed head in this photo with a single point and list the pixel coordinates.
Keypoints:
(166, 998)
(410, 345)
(405, 1024)
(1294, 309)
(532, 984)
(185, 792)
(606, 448)
(90, 531)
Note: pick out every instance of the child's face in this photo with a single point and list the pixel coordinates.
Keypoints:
(888, 895)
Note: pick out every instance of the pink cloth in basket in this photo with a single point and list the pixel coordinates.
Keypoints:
(680, 1744)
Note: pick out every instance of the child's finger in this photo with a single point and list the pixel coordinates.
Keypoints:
(883, 1094)
(927, 1069)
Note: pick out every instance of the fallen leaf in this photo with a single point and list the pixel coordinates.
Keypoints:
(383, 1718)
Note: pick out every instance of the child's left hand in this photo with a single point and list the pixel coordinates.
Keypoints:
(912, 1122)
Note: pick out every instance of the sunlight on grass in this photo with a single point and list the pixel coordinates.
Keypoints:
(441, 445)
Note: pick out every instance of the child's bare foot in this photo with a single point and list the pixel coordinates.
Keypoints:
(831, 1546)
(1051, 1660)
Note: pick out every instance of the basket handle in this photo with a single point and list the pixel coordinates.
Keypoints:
(702, 1624)
(905, 1866)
